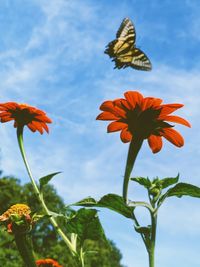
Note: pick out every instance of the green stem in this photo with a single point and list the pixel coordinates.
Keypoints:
(24, 246)
(151, 249)
(134, 148)
(151, 258)
(38, 194)
(82, 257)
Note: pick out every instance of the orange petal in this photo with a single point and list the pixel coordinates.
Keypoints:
(173, 136)
(106, 116)
(177, 119)
(116, 126)
(4, 113)
(38, 126)
(150, 102)
(155, 143)
(133, 98)
(43, 118)
(44, 126)
(47, 119)
(125, 136)
(31, 127)
(8, 105)
(169, 108)
(157, 101)
(6, 118)
(122, 103)
(114, 109)
(106, 106)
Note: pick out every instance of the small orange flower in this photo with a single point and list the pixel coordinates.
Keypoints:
(47, 263)
(143, 117)
(23, 114)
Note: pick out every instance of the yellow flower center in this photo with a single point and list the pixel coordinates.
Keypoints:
(17, 209)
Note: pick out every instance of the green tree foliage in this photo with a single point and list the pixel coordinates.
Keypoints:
(45, 240)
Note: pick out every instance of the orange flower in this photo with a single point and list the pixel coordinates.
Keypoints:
(47, 263)
(23, 114)
(143, 117)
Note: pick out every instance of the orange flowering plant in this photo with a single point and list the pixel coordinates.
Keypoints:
(140, 118)
(17, 218)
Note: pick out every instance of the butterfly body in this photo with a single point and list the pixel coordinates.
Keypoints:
(123, 51)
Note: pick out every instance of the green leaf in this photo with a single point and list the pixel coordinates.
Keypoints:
(86, 225)
(44, 180)
(86, 202)
(166, 182)
(142, 181)
(110, 201)
(116, 203)
(181, 189)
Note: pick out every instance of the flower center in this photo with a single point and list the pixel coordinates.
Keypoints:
(143, 123)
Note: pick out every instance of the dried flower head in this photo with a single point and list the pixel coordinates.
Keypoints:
(18, 209)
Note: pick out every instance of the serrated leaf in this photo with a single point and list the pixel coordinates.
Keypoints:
(142, 181)
(182, 189)
(110, 201)
(166, 182)
(86, 225)
(44, 180)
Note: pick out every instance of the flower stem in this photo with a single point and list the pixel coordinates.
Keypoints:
(38, 194)
(134, 148)
(151, 258)
(24, 246)
(151, 249)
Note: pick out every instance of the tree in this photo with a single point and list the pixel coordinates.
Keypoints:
(46, 242)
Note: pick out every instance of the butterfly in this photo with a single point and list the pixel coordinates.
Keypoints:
(123, 51)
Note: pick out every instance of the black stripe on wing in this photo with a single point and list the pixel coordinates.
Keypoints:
(116, 48)
(140, 61)
(126, 29)
(135, 58)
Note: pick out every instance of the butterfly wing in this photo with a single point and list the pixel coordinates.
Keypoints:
(134, 58)
(123, 51)
(126, 30)
(125, 38)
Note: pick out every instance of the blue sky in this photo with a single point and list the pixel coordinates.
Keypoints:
(51, 57)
